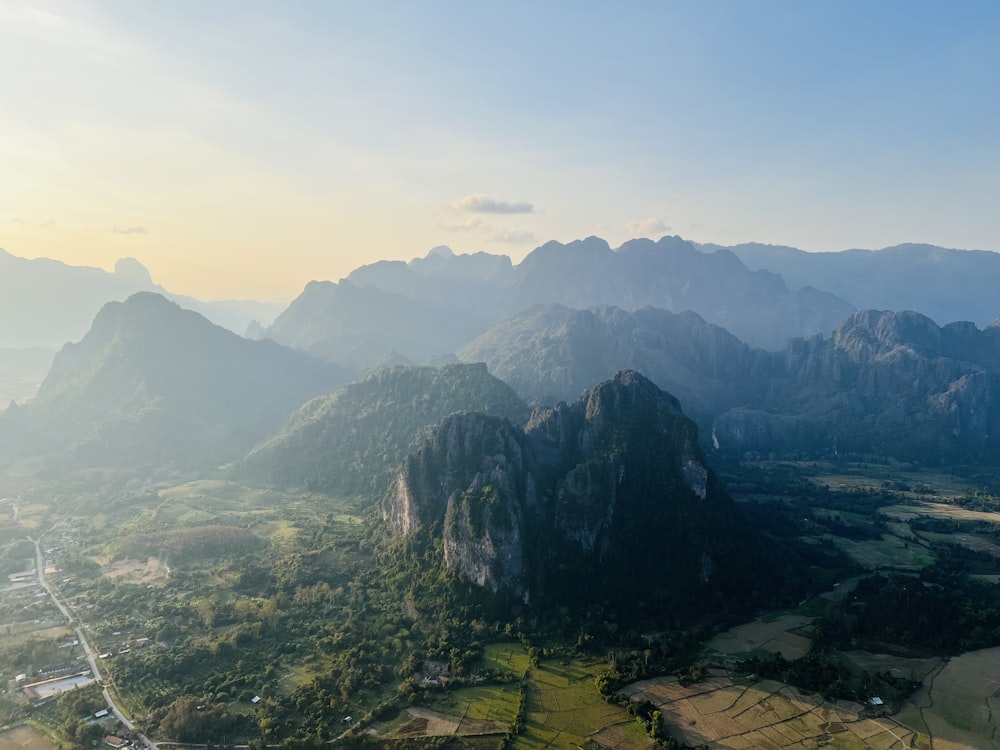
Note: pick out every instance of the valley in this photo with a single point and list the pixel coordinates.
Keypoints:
(128, 556)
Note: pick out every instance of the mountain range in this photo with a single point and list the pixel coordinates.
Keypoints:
(45, 303)
(154, 384)
(883, 383)
(451, 299)
(945, 285)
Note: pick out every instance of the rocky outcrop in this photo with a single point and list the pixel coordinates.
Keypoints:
(890, 384)
(885, 383)
(469, 482)
(608, 498)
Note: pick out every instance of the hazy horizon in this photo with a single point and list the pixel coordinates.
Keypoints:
(239, 150)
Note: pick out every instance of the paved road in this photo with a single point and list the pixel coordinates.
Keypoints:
(91, 654)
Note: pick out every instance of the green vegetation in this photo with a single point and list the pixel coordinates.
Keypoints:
(208, 594)
(349, 442)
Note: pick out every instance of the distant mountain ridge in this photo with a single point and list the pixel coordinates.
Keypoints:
(154, 384)
(45, 303)
(884, 383)
(361, 326)
(943, 284)
(437, 304)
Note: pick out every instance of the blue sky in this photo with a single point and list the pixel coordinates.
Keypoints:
(244, 148)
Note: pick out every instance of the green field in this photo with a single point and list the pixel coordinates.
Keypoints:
(888, 552)
(959, 706)
(563, 706)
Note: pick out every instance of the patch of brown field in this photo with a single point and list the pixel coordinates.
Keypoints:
(622, 736)
(24, 738)
(781, 636)
(938, 510)
(412, 728)
(146, 572)
(59, 631)
(720, 713)
(428, 723)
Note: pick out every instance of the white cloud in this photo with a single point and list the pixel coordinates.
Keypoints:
(134, 229)
(651, 227)
(483, 204)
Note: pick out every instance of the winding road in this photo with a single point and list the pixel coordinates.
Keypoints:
(87, 649)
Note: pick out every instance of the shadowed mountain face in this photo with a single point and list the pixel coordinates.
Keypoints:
(945, 285)
(363, 326)
(439, 303)
(552, 353)
(45, 303)
(153, 384)
(607, 499)
(351, 441)
(891, 384)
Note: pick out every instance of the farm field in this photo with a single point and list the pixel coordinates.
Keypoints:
(563, 707)
(24, 738)
(888, 552)
(781, 635)
(722, 713)
(958, 705)
(939, 510)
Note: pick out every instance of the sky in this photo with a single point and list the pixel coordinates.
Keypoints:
(241, 149)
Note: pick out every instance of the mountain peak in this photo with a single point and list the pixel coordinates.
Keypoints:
(132, 270)
(577, 506)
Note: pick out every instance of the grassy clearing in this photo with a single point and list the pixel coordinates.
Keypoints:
(144, 572)
(922, 484)
(512, 657)
(24, 738)
(766, 714)
(563, 707)
(485, 709)
(780, 634)
(299, 675)
(958, 704)
(898, 666)
(969, 541)
(888, 552)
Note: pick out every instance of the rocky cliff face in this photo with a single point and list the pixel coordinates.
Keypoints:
(609, 498)
(888, 383)
(884, 383)
(469, 483)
